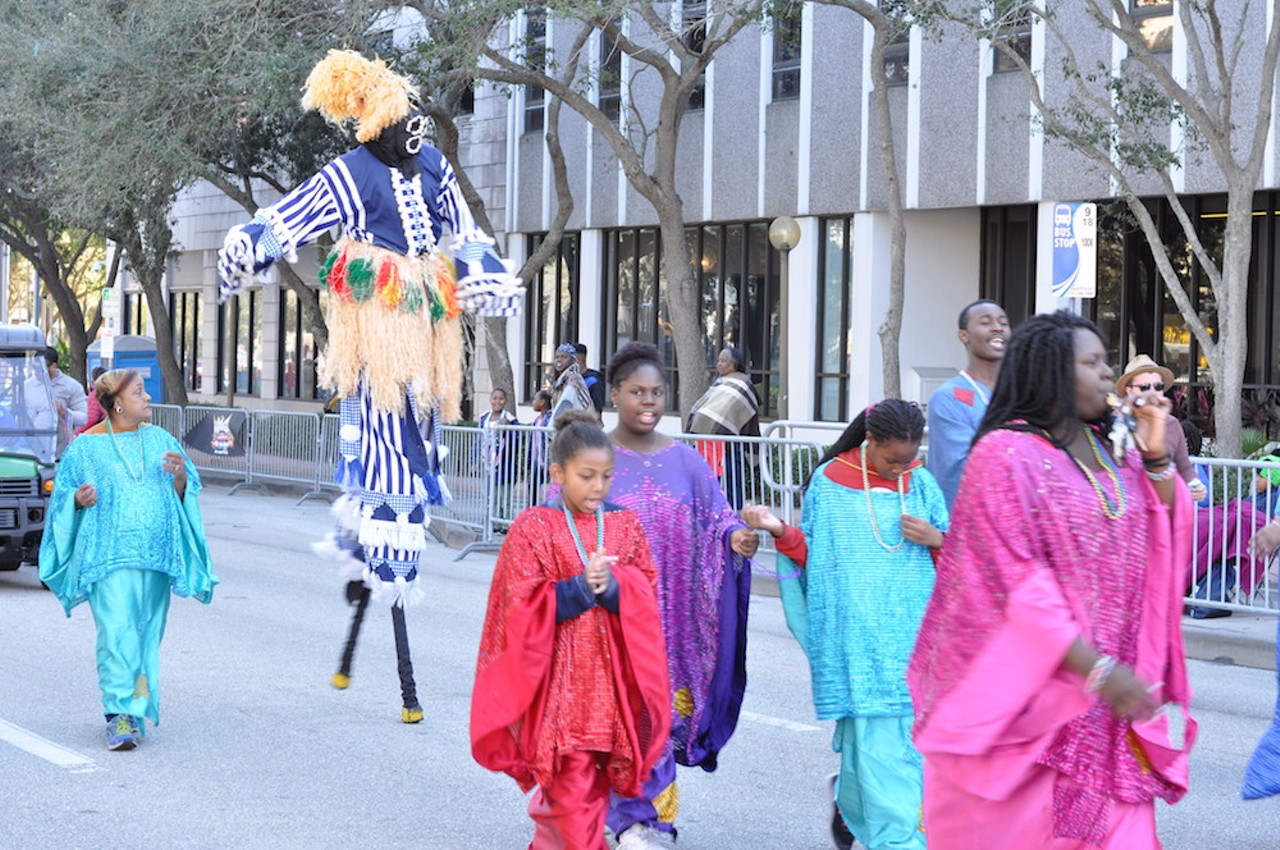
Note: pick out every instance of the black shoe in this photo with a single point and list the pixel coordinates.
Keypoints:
(841, 837)
(1201, 612)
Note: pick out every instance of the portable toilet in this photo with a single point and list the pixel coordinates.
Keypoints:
(133, 352)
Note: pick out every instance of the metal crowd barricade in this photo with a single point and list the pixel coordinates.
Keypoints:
(228, 465)
(768, 471)
(461, 464)
(168, 417)
(1224, 575)
(285, 448)
(326, 459)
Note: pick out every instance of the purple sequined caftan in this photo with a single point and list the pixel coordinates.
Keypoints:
(703, 593)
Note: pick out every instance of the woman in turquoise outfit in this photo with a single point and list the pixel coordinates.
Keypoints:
(855, 578)
(123, 532)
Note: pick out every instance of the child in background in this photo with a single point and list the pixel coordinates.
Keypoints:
(571, 691)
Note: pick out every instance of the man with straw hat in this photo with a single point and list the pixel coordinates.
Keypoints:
(1140, 375)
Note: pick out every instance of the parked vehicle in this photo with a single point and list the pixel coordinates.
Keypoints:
(28, 441)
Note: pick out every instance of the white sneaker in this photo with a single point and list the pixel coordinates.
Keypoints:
(641, 837)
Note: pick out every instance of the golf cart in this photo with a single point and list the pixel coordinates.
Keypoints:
(28, 443)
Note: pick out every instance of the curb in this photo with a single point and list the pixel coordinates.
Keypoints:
(1247, 643)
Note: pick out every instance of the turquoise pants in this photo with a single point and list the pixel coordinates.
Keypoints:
(880, 791)
(130, 608)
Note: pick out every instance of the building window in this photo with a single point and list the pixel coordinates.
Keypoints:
(297, 361)
(467, 99)
(135, 313)
(535, 57)
(551, 311)
(610, 77)
(835, 276)
(1013, 29)
(1008, 268)
(184, 319)
(240, 344)
(787, 35)
(737, 273)
(1154, 20)
(897, 48)
(694, 35)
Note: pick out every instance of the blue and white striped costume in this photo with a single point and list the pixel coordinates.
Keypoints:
(395, 344)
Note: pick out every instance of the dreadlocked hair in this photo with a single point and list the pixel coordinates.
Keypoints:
(890, 420)
(631, 357)
(1036, 390)
(577, 431)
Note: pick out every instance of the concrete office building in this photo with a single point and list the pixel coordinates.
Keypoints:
(783, 126)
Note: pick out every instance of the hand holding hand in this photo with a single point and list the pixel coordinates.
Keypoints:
(86, 495)
(599, 571)
(759, 517)
(745, 542)
(921, 531)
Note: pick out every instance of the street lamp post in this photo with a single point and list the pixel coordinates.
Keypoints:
(784, 234)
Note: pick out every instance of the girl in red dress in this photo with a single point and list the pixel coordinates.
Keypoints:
(571, 690)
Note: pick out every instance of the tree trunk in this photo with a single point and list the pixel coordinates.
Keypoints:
(1233, 326)
(890, 332)
(684, 309)
(309, 301)
(148, 253)
(501, 373)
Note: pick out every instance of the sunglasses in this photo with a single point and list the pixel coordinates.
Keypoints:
(1147, 387)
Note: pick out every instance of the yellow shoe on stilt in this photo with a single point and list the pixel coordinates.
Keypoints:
(341, 681)
(411, 715)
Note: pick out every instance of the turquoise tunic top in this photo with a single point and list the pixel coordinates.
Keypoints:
(856, 607)
(138, 522)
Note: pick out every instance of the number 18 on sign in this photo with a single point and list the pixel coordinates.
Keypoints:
(1075, 250)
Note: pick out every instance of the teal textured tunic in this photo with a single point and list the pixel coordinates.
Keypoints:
(856, 607)
(138, 522)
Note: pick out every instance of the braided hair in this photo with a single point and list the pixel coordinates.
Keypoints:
(890, 420)
(1036, 390)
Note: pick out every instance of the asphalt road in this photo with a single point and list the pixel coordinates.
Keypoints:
(256, 749)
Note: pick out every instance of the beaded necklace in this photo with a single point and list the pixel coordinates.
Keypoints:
(871, 511)
(142, 454)
(577, 540)
(1109, 510)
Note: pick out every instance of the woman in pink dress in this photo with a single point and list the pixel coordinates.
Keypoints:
(1048, 680)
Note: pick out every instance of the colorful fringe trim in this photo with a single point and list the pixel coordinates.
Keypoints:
(394, 321)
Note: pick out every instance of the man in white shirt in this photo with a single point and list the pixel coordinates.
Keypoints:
(68, 397)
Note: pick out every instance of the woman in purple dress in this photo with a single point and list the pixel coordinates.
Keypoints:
(701, 551)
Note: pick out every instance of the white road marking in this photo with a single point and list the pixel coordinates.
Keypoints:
(789, 725)
(46, 749)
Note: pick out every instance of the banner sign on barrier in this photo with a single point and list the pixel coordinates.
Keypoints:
(218, 434)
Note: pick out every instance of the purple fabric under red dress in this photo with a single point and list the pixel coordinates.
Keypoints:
(703, 593)
(1017, 754)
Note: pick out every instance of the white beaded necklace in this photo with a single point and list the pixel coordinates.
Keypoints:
(871, 510)
(142, 454)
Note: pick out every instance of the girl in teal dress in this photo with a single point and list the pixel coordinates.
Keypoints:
(855, 578)
(123, 532)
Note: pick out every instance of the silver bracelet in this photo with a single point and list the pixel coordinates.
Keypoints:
(1099, 674)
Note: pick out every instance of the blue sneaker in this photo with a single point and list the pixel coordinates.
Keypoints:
(122, 732)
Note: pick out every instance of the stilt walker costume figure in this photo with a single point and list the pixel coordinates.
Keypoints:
(395, 341)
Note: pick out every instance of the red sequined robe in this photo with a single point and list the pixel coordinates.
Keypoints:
(596, 682)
